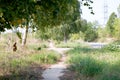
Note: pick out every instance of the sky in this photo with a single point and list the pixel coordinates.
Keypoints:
(98, 8)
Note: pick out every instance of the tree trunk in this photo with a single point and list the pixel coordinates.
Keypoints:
(24, 39)
(65, 37)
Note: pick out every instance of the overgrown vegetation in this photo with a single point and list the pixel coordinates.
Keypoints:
(17, 63)
(95, 64)
(26, 63)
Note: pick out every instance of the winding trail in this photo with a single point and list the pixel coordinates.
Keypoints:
(56, 70)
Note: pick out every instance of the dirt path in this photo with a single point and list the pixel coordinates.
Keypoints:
(56, 70)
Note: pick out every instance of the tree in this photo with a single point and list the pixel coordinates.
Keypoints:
(117, 28)
(46, 13)
(90, 33)
(101, 32)
(17, 12)
(110, 24)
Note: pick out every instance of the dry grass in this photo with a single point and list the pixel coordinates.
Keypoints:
(26, 63)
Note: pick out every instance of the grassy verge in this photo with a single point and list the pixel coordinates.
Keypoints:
(95, 64)
(69, 44)
(25, 66)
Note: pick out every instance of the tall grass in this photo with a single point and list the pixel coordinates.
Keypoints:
(111, 72)
(16, 63)
(26, 63)
(86, 65)
(47, 57)
(95, 64)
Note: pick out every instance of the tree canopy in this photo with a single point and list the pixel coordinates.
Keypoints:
(44, 13)
(110, 23)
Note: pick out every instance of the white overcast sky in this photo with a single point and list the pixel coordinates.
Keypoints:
(98, 8)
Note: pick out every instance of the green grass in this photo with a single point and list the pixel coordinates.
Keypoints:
(111, 72)
(14, 64)
(95, 64)
(46, 57)
(86, 65)
(26, 63)
(69, 44)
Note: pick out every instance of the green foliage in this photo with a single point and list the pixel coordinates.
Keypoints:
(90, 33)
(81, 49)
(4, 25)
(57, 12)
(86, 65)
(45, 57)
(101, 34)
(22, 66)
(68, 44)
(19, 36)
(18, 62)
(26, 63)
(38, 46)
(44, 13)
(111, 73)
(110, 24)
(95, 64)
(111, 47)
(117, 42)
(43, 35)
(117, 28)
(75, 36)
